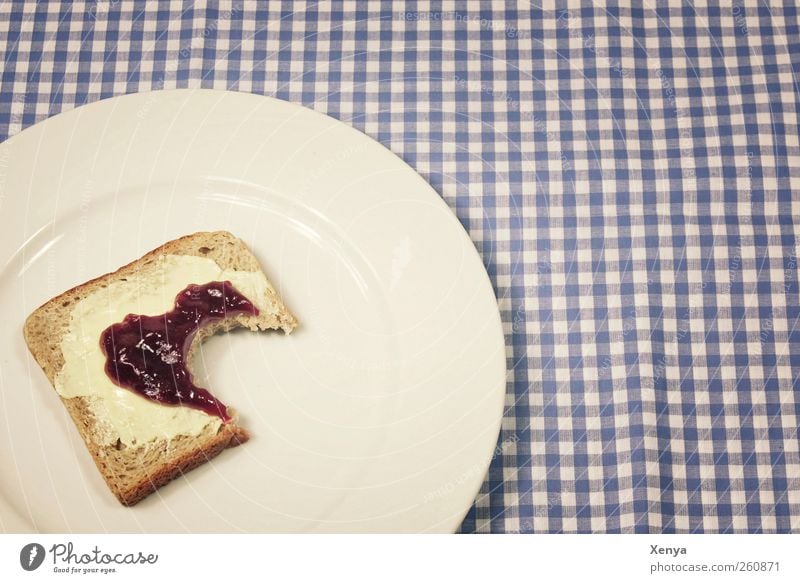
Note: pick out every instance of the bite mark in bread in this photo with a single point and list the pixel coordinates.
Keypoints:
(132, 472)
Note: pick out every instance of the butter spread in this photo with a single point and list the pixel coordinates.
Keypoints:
(120, 413)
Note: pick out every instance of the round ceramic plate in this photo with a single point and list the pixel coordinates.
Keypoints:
(379, 414)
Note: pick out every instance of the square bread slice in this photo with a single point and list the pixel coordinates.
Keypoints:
(132, 472)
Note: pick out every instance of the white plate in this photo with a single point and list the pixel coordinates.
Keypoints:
(379, 414)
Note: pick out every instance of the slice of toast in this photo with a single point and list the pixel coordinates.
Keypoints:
(132, 472)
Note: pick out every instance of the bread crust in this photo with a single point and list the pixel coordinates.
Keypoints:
(133, 473)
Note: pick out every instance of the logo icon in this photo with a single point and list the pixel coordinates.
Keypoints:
(31, 556)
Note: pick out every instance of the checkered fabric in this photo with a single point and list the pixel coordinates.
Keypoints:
(626, 174)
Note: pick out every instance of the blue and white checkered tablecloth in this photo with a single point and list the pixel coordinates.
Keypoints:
(626, 173)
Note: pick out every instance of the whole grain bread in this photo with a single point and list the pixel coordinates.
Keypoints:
(134, 472)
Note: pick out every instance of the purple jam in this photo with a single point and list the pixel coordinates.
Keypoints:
(147, 354)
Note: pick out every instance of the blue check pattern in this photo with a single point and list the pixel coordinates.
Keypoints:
(628, 175)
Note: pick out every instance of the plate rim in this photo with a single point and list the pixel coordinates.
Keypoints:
(21, 523)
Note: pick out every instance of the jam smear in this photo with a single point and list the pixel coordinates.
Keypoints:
(147, 354)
